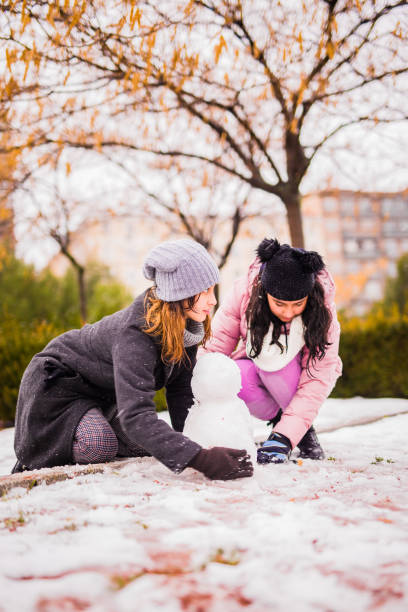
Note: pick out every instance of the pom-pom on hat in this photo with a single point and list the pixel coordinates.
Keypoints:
(180, 269)
(288, 273)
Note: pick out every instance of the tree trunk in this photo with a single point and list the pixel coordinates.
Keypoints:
(80, 272)
(82, 294)
(292, 203)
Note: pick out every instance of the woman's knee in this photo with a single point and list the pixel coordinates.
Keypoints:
(94, 439)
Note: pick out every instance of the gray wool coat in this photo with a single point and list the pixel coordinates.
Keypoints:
(112, 365)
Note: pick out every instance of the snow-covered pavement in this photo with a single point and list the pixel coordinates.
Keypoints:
(322, 536)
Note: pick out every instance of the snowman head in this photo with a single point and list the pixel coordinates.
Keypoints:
(215, 377)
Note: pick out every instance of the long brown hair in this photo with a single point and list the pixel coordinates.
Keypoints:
(316, 319)
(167, 321)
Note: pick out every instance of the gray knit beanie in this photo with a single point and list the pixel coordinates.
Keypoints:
(180, 269)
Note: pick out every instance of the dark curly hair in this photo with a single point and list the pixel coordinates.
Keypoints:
(316, 319)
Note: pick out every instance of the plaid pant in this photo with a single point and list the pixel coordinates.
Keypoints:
(96, 440)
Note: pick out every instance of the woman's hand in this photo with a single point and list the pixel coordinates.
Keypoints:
(220, 463)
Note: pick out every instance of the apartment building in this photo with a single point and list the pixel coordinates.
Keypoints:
(361, 236)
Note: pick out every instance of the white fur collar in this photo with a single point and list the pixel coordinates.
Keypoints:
(271, 358)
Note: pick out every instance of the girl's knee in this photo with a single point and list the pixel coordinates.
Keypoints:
(250, 381)
(259, 401)
(282, 384)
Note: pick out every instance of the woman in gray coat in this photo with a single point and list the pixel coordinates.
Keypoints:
(88, 396)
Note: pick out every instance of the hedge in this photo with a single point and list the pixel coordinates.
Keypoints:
(18, 343)
(375, 358)
(374, 354)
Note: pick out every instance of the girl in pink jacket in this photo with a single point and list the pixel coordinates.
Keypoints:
(280, 325)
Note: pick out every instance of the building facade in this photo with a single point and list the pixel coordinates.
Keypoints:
(361, 236)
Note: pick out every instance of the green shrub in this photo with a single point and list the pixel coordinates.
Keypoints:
(374, 352)
(374, 349)
(18, 343)
(29, 296)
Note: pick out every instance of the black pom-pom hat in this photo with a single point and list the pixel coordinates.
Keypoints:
(287, 273)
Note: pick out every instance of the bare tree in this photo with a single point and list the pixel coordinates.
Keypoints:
(57, 224)
(255, 88)
(62, 237)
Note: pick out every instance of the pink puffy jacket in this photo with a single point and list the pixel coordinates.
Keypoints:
(229, 331)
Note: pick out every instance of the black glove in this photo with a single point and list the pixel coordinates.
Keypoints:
(276, 449)
(219, 463)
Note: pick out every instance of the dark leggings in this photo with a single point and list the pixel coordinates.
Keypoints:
(96, 440)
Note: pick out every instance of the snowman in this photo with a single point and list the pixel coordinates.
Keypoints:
(218, 417)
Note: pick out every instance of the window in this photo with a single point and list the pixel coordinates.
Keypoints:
(394, 207)
(348, 207)
(330, 204)
(361, 248)
(368, 245)
(368, 226)
(365, 206)
(395, 228)
(391, 248)
(332, 225)
(350, 225)
(351, 246)
(334, 246)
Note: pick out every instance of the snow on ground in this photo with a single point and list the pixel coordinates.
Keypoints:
(322, 536)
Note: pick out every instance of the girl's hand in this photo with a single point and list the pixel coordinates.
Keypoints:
(276, 449)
